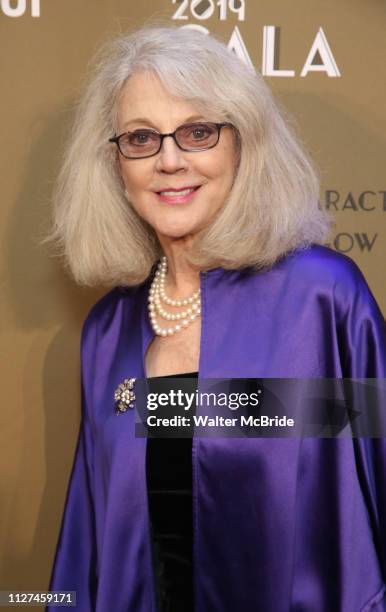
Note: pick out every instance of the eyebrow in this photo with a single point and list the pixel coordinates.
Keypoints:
(144, 120)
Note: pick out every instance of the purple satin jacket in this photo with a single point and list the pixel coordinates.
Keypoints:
(280, 525)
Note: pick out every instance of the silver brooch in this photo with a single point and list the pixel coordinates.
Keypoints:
(124, 395)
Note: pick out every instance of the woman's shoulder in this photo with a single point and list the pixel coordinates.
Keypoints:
(322, 263)
(322, 266)
(315, 267)
(331, 273)
(297, 271)
(303, 267)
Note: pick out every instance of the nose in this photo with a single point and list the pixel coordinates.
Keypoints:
(171, 158)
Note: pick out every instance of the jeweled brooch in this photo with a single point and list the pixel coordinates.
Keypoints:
(124, 395)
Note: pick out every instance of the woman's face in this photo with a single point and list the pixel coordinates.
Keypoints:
(145, 103)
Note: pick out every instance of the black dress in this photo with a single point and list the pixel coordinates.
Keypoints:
(169, 483)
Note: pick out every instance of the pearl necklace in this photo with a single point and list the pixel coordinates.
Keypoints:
(157, 295)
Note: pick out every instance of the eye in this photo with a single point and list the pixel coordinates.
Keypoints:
(197, 135)
(200, 132)
(142, 137)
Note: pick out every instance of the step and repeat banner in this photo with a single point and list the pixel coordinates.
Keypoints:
(324, 62)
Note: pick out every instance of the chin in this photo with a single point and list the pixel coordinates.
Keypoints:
(176, 234)
(177, 230)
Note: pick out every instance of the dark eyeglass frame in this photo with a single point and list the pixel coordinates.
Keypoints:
(115, 139)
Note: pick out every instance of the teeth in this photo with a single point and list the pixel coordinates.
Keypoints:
(177, 193)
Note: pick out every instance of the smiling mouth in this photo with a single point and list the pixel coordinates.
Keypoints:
(177, 197)
(180, 192)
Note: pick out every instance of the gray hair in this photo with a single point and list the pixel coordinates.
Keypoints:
(271, 209)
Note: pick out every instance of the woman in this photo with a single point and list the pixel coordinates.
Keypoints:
(184, 188)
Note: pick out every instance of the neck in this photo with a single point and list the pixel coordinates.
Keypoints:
(182, 278)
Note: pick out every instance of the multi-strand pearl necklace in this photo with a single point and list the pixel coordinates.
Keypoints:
(157, 295)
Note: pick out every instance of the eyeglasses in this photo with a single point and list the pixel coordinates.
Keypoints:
(188, 137)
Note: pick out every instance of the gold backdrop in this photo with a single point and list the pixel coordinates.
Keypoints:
(325, 62)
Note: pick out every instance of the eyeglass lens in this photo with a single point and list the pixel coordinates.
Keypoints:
(192, 137)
